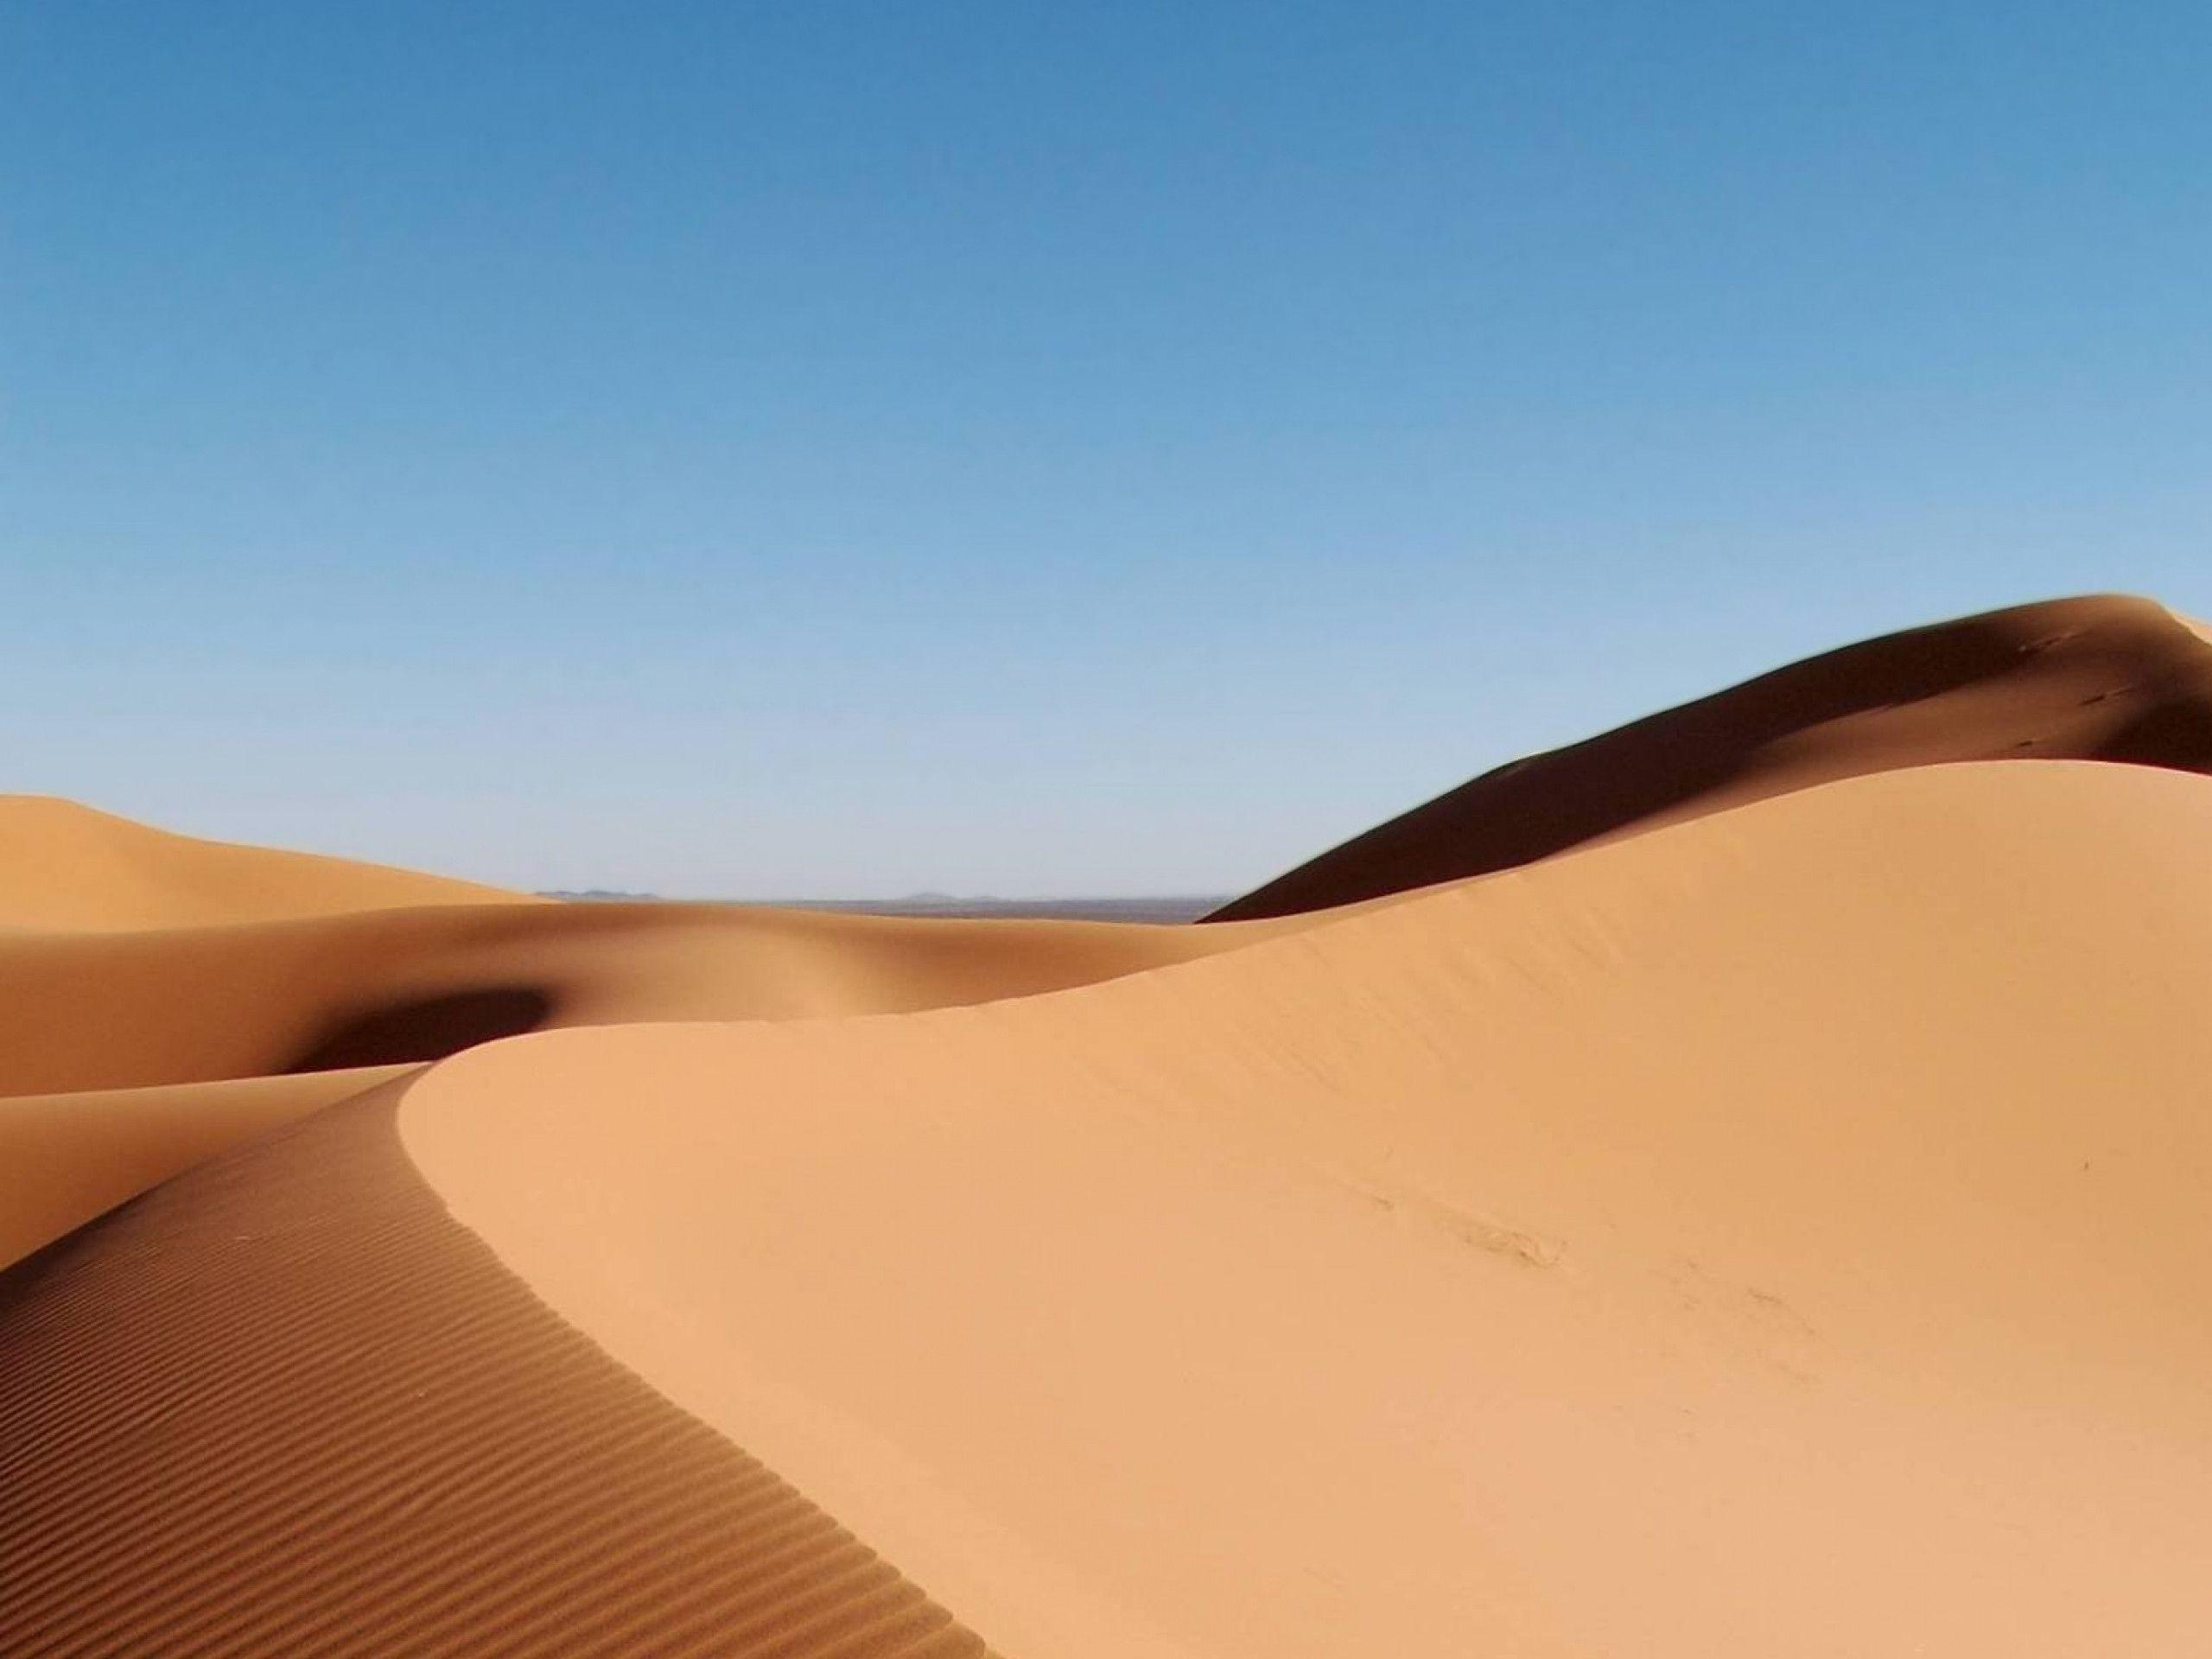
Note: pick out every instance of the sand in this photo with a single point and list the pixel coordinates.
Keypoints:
(285, 1405)
(2107, 678)
(107, 1011)
(64, 866)
(1758, 1210)
(67, 1158)
(1780, 1234)
(104, 1029)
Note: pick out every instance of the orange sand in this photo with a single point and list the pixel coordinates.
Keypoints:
(2094, 679)
(1782, 1234)
(1736, 1186)
(65, 866)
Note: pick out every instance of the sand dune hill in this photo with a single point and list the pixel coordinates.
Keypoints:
(1748, 1200)
(66, 1158)
(147, 1053)
(1781, 1233)
(67, 866)
(1784, 1233)
(192, 1005)
(2104, 679)
(284, 1405)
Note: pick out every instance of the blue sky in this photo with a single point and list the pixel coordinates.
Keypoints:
(848, 449)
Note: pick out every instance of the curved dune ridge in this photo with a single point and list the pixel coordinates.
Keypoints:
(1783, 1233)
(393, 986)
(1735, 1186)
(2103, 678)
(63, 865)
(284, 1405)
(143, 1054)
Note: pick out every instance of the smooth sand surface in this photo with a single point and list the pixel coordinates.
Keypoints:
(67, 866)
(111, 1011)
(164, 998)
(146, 1051)
(1755, 1206)
(2108, 678)
(1784, 1233)
(143, 1054)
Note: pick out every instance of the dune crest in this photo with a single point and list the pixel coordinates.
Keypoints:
(190, 1004)
(67, 866)
(1644, 1253)
(2099, 678)
(67, 1158)
(283, 1405)
(1733, 1187)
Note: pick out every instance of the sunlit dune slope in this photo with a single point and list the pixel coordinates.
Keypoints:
(284, 1404)
(143, 1054)
(2099, 678)
(84, 1011)
(1779, 1234)
(68, 866)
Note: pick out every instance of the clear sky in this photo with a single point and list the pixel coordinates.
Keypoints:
(827, 449)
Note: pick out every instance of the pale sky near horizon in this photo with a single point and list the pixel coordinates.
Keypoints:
(841, 451)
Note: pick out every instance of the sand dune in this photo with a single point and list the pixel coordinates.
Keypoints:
(284, 1405)
(147, 1052)
(80, 1011)
(67, 866)
(66, 1158)
(1780, 1234)
(2102, 678)
(1753, 1205)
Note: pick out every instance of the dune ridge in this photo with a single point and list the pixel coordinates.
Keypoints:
(125, 1059)
(2104, 678)
(64, 866)
(67, 1158)
(285, 1404)
(1643, 1253)
(1750, 1202)
(182, 1005)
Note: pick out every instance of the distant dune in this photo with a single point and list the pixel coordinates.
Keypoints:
(63, 865)
(104, 1012)
(1755, 1200)
(2093, 679)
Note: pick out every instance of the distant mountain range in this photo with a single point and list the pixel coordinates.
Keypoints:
(1169, 908)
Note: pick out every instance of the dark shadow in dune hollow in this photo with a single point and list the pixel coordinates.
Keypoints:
(425, 1028)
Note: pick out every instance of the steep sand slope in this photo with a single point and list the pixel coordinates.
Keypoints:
(284, 1405)
(67, 866)
(2099, 678)
(67, 1158)
(111, 1011)
(1780, 1234)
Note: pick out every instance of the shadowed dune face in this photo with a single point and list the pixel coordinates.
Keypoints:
(425, 1028)
(1770, 1235)
(285, 1405)
(2107, 678)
